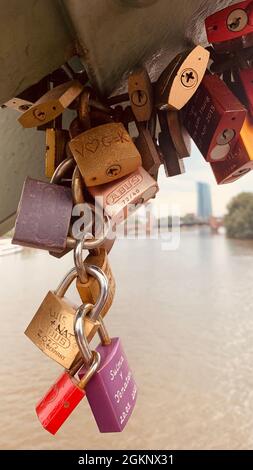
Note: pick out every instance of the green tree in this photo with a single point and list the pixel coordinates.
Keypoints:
(239, 219)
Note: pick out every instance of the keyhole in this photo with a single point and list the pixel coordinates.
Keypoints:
(189, 78)
(139, 98)
(40, 115)
(237, 20)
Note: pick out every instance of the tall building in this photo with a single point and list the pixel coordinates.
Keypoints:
(204, 201)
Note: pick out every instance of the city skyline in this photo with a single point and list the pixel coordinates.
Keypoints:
(181, 190)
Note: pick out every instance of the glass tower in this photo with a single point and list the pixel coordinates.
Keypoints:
(204, 201)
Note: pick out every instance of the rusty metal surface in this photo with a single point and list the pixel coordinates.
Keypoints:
(34, 41)
(114, 36)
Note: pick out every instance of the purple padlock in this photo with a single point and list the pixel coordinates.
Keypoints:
(112, 390)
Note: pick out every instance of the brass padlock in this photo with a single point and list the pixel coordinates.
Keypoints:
(179, 135)
(240, 159)
(180, 80)
(151, 160)
(56, 140)
(52, 327)
(105, 153)
(89, 291)
(140, 94)
(51, 104)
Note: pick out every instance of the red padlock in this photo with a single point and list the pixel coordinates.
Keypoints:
(240, 159)
(246, 78)
(214, 118)
(230, 23)
(64, 396)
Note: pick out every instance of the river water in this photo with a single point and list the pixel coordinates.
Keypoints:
(186, 321)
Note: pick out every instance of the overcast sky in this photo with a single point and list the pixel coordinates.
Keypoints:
(181, 190)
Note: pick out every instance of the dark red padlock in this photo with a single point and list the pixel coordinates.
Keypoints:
(240, 159)
(230, 23)
(64, 396)
(214, 118)
(246, 78)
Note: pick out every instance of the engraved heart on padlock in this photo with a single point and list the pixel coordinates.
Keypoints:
(92, 145)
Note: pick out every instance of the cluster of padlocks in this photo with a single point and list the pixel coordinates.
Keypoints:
(107, 161)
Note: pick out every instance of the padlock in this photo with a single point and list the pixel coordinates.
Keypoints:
(214, 118)
(173, 165)
(151, 160)
(246, 79)
(51, 104)
(180, 137)
(121, 198)
(112, 391)
(56, 141)
(140, 94)
(230, 23)
(89, 291)
(18, 104)
(64, 396)
(240, 159)
(180, 80)
(105, 153)
(44, 214)
(51, 329)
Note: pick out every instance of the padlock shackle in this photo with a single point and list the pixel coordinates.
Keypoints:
(81, 339)
(90, 243)
(99, 275)
(80, 336)
(77, 187)
(61, 169)
(96, 359)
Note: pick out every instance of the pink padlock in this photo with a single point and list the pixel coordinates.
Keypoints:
(121, 198)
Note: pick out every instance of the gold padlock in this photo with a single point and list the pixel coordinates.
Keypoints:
(140, 94)
(90, 290)
(51, 104)
(180, 80)
(56, 140)
(105, 153)
(51, 329)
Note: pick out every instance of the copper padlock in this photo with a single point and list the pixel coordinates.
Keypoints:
(151, 160)
(180, 80)
(44, 215)
(140, 94)
(51, 104)
(56, 141)
(121, 198)
(52, 327)
(105, 153)
(179, 135)
(89, 291)
(240, 159)
(214, 118)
